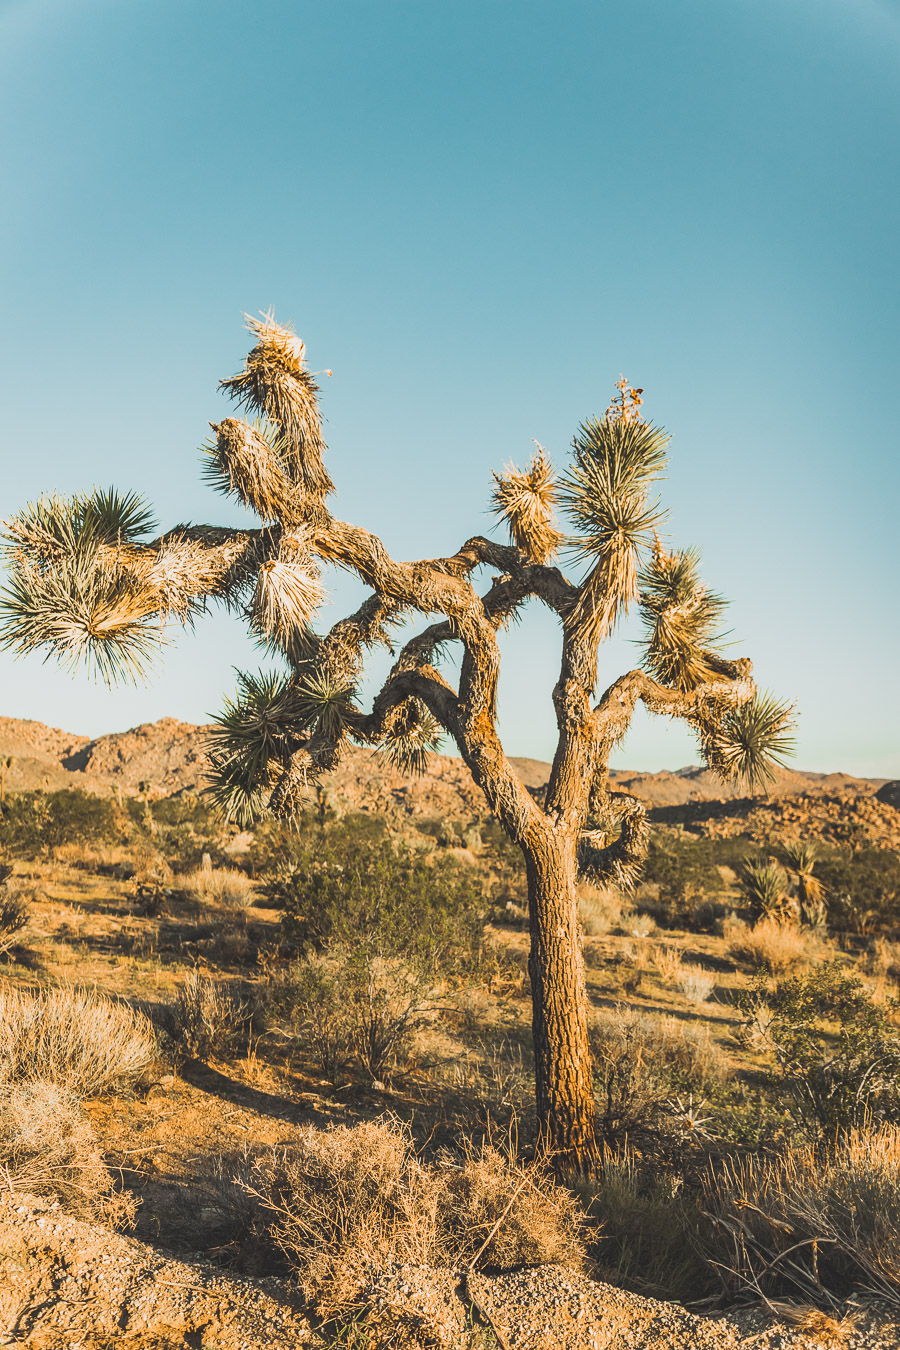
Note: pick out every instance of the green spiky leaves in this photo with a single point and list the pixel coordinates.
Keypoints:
(765, 886)
(747, 743)
(66, 593)
(325, 704)
(257, 731)
(413, 736)
(681, 617)
(252, 738)
(606, 494)
(54, 527)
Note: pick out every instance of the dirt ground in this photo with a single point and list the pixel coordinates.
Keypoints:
(175, 1282)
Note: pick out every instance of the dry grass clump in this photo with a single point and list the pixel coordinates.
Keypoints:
(810, 1321)
(82, 1043)
(805, 1222)
(774, 946)
(221, 886)
(353, 1200)
(668, 963)
(883, 959)
(208, 1019)
(645, 1227)
(696, 985)
(48, 1148)
(599, 910)
(678, 1054)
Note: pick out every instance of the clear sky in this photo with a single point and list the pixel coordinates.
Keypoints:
(478, 213)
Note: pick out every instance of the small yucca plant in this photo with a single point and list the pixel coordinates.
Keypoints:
(765, 886)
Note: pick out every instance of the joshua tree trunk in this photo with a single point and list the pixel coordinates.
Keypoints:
(562, 1059)
(86, 581)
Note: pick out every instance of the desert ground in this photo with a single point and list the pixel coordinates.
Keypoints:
(296, 1105)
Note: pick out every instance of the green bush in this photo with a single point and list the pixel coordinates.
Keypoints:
(686, 871)
(279, 847)
(382, 900)
(863, 889)
(32, 823)
(350, 1008)
(837, 1053)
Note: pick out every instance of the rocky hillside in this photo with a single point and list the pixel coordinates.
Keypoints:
(166, 758)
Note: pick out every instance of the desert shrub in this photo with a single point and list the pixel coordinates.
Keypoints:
(685, 872)
(769, 944)
(808, 1224)
(642, 1066)
(540, 1221)
(221, 886)
(862, 889)
(351, 1007)
(696, 985)
(48, 1148)
(837, 1054)
(14, 915)
(351, 1201)
(208, 1020)
(495, 1081)
(645, 1227)
(83, 1043)
(668, 963)
(279, 848)
(385, 900)
(34, 823)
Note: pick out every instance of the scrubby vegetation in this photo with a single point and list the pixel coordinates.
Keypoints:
(744, 1032)
(346, 1202)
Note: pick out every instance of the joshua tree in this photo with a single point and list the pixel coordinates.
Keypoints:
(87, 581)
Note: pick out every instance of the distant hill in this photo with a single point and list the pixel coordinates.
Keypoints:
(166, 758)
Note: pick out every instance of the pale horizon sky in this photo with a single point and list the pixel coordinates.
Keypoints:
(478, 215)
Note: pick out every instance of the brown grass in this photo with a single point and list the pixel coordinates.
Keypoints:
(82, 1043)
(221, 886)
(770, 944)
(840, 1213)
(352, 1200)
(668, 963)
(208, 1019)
(48, 1148)
(599, 910)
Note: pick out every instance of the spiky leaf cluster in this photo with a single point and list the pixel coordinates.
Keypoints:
(57, 527)
(524, 500)
(800, 856)
(680, 616)
(763, 883)
(746, 743)
(252, 737)
(413, 736)
(68, 591)
(325, 704)
(287, 595)
(248, 462)
(606, 495)
(276, 383)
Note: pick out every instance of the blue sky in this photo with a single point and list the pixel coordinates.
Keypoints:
(478, 214)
